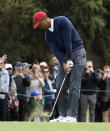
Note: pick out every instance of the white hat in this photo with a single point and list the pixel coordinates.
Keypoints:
(8, 66)
(43, 64)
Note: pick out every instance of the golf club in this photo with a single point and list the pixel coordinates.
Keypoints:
(58, 96)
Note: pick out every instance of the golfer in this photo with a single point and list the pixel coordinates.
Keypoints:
(67, 46)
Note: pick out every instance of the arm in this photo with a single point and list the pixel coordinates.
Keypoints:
(60, 57)
(47, 91)
(41, 82)
(26, 81)
(65, 27)
(57, 52)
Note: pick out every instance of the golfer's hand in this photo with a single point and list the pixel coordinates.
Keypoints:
(66, 68)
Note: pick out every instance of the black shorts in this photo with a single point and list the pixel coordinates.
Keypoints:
(105, 105)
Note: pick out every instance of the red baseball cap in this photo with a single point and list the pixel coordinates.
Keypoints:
(37, 17)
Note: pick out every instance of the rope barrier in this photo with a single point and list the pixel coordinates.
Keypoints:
(89, 90)
(44, 96)
(25, 95)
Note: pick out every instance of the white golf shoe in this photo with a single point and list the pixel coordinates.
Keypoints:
(69, 119)
(60, 118)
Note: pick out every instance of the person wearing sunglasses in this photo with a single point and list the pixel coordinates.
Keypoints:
(48, 90)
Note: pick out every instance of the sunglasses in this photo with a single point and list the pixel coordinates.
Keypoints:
(45, 71)
(9, 68)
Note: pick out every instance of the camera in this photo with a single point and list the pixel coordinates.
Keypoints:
(33, 71)
(19, 70)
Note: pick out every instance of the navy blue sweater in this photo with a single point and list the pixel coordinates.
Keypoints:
(63, 39)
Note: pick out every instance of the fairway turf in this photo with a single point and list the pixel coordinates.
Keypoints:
(46, 126)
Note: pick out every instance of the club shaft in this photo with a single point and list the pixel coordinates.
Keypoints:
(58, 95)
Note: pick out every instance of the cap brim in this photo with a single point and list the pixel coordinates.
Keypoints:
(37, 94)
(36, 25)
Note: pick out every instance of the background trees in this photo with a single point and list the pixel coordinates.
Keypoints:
(21, 42)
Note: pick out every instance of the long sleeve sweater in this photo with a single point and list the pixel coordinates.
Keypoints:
(63, 39)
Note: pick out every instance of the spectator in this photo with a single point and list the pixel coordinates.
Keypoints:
(27, 71)
(37, 81)
(38, 69)
(9, 67)
(98, 109)
(4, 58)
(12, 85)
(22, 81)
(55, 69)
(43, 64)
(4, 87)
(48, 90)
(105, 96)
(13, 107)
(35, 106)
(88, 95)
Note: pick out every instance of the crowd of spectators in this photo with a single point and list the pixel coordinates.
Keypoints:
(95, 94)
(22, 84)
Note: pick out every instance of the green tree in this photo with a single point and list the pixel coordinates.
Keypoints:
(17, 38)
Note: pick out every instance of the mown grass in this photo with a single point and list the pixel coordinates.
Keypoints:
(46, 126)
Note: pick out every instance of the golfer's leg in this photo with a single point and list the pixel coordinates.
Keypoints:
(79, 60)
(74, 90)
(62, 102)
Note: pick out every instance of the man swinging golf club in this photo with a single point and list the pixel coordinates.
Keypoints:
(67, 46)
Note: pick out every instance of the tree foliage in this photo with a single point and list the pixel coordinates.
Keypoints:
(17, 38)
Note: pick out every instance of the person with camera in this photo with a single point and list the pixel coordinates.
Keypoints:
(12, 85)
(22, 81)
(37, 82)
(4, 88)
(88, 93)
(104, 97)
(48, 90)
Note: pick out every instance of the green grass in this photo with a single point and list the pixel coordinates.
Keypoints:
(46, 126)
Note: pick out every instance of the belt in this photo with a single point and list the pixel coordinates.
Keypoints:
(78, 48)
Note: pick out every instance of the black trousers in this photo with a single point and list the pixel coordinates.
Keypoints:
(3, 107)
(22, 109)
(48, 107)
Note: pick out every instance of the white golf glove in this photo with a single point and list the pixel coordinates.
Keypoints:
(54, 90)
(69, 63)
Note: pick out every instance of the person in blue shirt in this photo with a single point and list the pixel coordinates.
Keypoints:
(4, 88)
(48, 90)
(67, 46)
